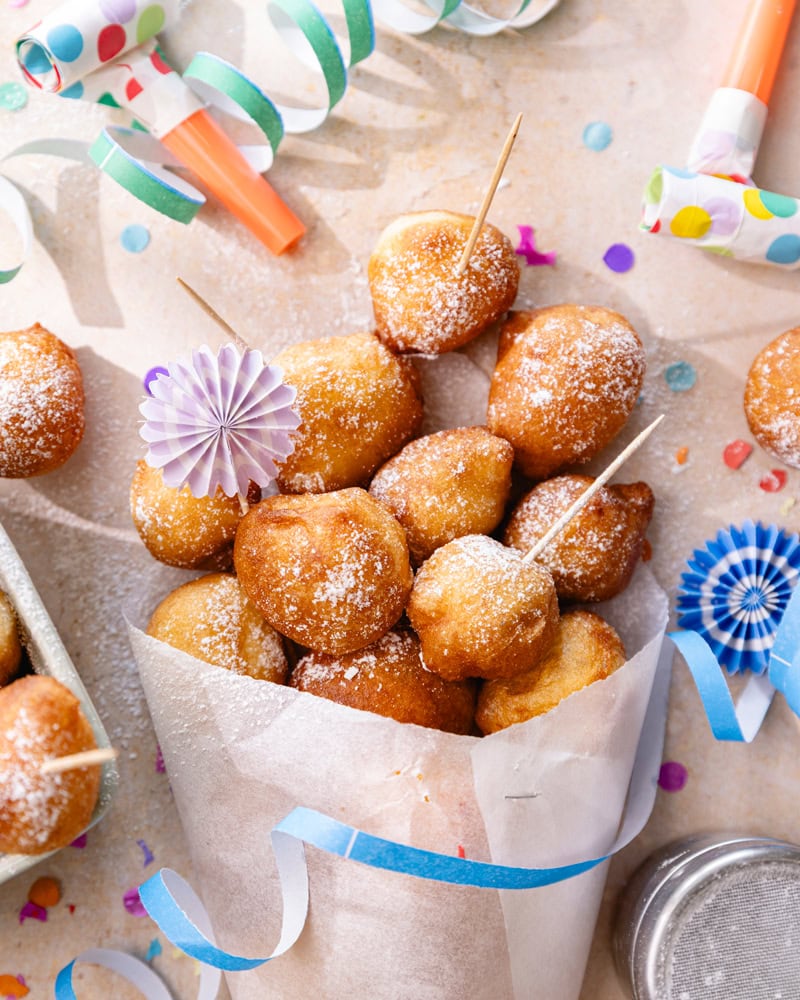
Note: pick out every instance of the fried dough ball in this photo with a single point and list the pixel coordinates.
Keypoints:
(594, 555)
(448, 484)
(420, 303)
(329, 570)
(180, 529)
(210, 618)
(480, 611)
(566, 380)
(41, 402)
(388, 678)
(41, 719)
(585, 649)
(358, 405)
(10, 646)
(772, 398)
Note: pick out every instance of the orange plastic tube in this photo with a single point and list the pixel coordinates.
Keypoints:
(201, 144)
(758, 49)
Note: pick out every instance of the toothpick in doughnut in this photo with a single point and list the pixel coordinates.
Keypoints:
(487, 198)
(590, 491)
(57, 765)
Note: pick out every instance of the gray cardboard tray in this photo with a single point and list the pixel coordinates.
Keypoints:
(48, 656)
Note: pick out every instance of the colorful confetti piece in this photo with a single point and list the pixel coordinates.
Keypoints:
(134, 238)
(527, 249)
(735, 453)
(680, 376)
(682, 455)
(160, 768)
(13, 986)
(774, 481)
(597, 136)
(31, 910)
(13, 96)
(79, 842)
(787, 505)
(672, 776)
(133, 904)
(153, 950)
(461, 853)
(148, 854)
(44, 892)
(151, 376)
(619, 258)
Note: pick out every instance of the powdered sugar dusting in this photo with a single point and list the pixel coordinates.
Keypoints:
(772, 397)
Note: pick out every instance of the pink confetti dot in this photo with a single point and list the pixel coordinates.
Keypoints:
(133, 904)
(17, 3)
(32, 910)
(79, 842)
(672, 776)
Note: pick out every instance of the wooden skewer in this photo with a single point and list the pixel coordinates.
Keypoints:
(240, 342)
(97, 756)
(590, 491)
(210, 311)
(487, 198)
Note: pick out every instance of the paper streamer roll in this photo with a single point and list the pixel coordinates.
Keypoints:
(723, 216)
(80, 36)
(182, 918)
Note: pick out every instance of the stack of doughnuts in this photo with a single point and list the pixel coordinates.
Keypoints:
(390, 568)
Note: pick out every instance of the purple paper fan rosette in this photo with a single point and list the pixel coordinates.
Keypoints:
(736, 590)
(219, 421)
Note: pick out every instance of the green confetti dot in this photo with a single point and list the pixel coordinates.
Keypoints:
(13, 96)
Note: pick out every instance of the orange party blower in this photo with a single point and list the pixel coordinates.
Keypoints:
(757, 54)
(202, 145)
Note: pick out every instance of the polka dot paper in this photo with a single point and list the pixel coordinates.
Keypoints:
(80, 36)
(724, 216)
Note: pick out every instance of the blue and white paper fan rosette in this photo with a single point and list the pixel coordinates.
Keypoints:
(739, 611)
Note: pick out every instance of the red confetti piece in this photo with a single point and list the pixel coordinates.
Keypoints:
(774, 481)
(735, 453)
(13, 986)
(32, 910)
(71, 907)
(461, 852)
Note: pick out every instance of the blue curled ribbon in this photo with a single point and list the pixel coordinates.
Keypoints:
(739, 722)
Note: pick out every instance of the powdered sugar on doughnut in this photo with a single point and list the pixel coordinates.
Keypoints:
(772, 398)
(420, 304)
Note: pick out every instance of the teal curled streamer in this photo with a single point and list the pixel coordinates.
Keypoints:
(224, 86)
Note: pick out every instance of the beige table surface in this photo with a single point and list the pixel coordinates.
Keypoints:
(419, 127)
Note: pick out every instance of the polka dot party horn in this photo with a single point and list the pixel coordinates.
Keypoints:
(105, 50)
(81, 36)
(713, 203)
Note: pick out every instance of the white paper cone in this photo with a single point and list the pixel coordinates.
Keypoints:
(241, 754)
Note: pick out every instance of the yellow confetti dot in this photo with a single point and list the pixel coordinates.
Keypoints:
(787, 505)
(690, 223)
(754, 205)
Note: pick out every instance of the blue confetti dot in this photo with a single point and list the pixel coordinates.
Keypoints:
(154, 950)
(66, 42)
(597, 136)
(680, 376)
(13, 96)
(75, 92)
(134, 238)
(784, 250)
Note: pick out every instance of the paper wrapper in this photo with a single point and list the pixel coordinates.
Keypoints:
(242, 753)
(82, 35)
(729, 135)
(723, 216)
